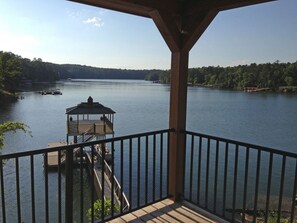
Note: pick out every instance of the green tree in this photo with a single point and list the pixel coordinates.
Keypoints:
(12, 127)
(164, 77)
(98, 209)
(10, 71)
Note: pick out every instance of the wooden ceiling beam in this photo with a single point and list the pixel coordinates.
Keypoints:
(232, 4)
(167, 26)
(181, 27)
(195, 27)
(140, 8)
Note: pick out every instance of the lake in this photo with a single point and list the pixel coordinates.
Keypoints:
(267, 119)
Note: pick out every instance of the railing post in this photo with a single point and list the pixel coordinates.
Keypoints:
(177, 121)
(69, 186)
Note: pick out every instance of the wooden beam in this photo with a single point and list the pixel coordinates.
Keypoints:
(140, 8)
(167, 26)
(232, 4)
(144, 7)
(177, 120)
(195, 27)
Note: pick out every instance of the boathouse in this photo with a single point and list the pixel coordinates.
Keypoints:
(88, 120)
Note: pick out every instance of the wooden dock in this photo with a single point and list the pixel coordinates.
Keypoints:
(52, 157)
(108, 177)
(96, 171)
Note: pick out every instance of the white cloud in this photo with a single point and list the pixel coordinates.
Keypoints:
(95, 21)
(74, 14)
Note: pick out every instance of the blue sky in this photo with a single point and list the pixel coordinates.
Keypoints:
(60, 31)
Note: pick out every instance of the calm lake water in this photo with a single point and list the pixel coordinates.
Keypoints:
(264, 118)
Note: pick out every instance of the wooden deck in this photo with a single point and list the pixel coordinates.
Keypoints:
(52, 157)
(167, 211)
(96, 127)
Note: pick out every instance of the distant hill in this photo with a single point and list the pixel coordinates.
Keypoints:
(16, 71)
(87, 72)
(275, 76)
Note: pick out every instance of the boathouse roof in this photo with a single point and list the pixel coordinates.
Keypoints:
(89, 107)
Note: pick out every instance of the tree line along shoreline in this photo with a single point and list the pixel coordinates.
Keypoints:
(276, 77)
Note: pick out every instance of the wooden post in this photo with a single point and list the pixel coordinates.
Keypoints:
(177, 120)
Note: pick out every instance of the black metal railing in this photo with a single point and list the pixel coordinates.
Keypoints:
(41, 186)
(240, 182)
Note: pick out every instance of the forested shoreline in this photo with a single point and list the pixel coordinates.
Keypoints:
(274, 76)
(15, 71)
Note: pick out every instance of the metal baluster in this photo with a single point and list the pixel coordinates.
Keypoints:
(130, 172)
(216, 178)
(281, 190)
(294, 194)
(207, 173)
(46, 188)
(81, 185)
(102, 179)
(122, 174)
(138, 172)
(161, 166)
(199, 171)
(112, 179)
(245, 181)
(59, 188)
(191, 167)
(268, 187)
(225, 177)
(168, 154)
(69, 186)
(257, 185)
(18, 189)
(32, 188)
(235, 182)
(2, 192)
(154, 167)
(146, 168)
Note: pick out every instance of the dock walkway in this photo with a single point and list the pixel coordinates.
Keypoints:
(98, 178)
(108, 177)
(53, 162)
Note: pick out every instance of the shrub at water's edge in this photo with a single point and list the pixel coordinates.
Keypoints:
(6, 96)
(98, 209)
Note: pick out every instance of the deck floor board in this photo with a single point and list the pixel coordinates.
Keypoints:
(165, 211)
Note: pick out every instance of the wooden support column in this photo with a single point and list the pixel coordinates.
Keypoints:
(177, 120)
(180, 32)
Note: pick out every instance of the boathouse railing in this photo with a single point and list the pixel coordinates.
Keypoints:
(117, 187)
(240, 182)
(32, 192)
